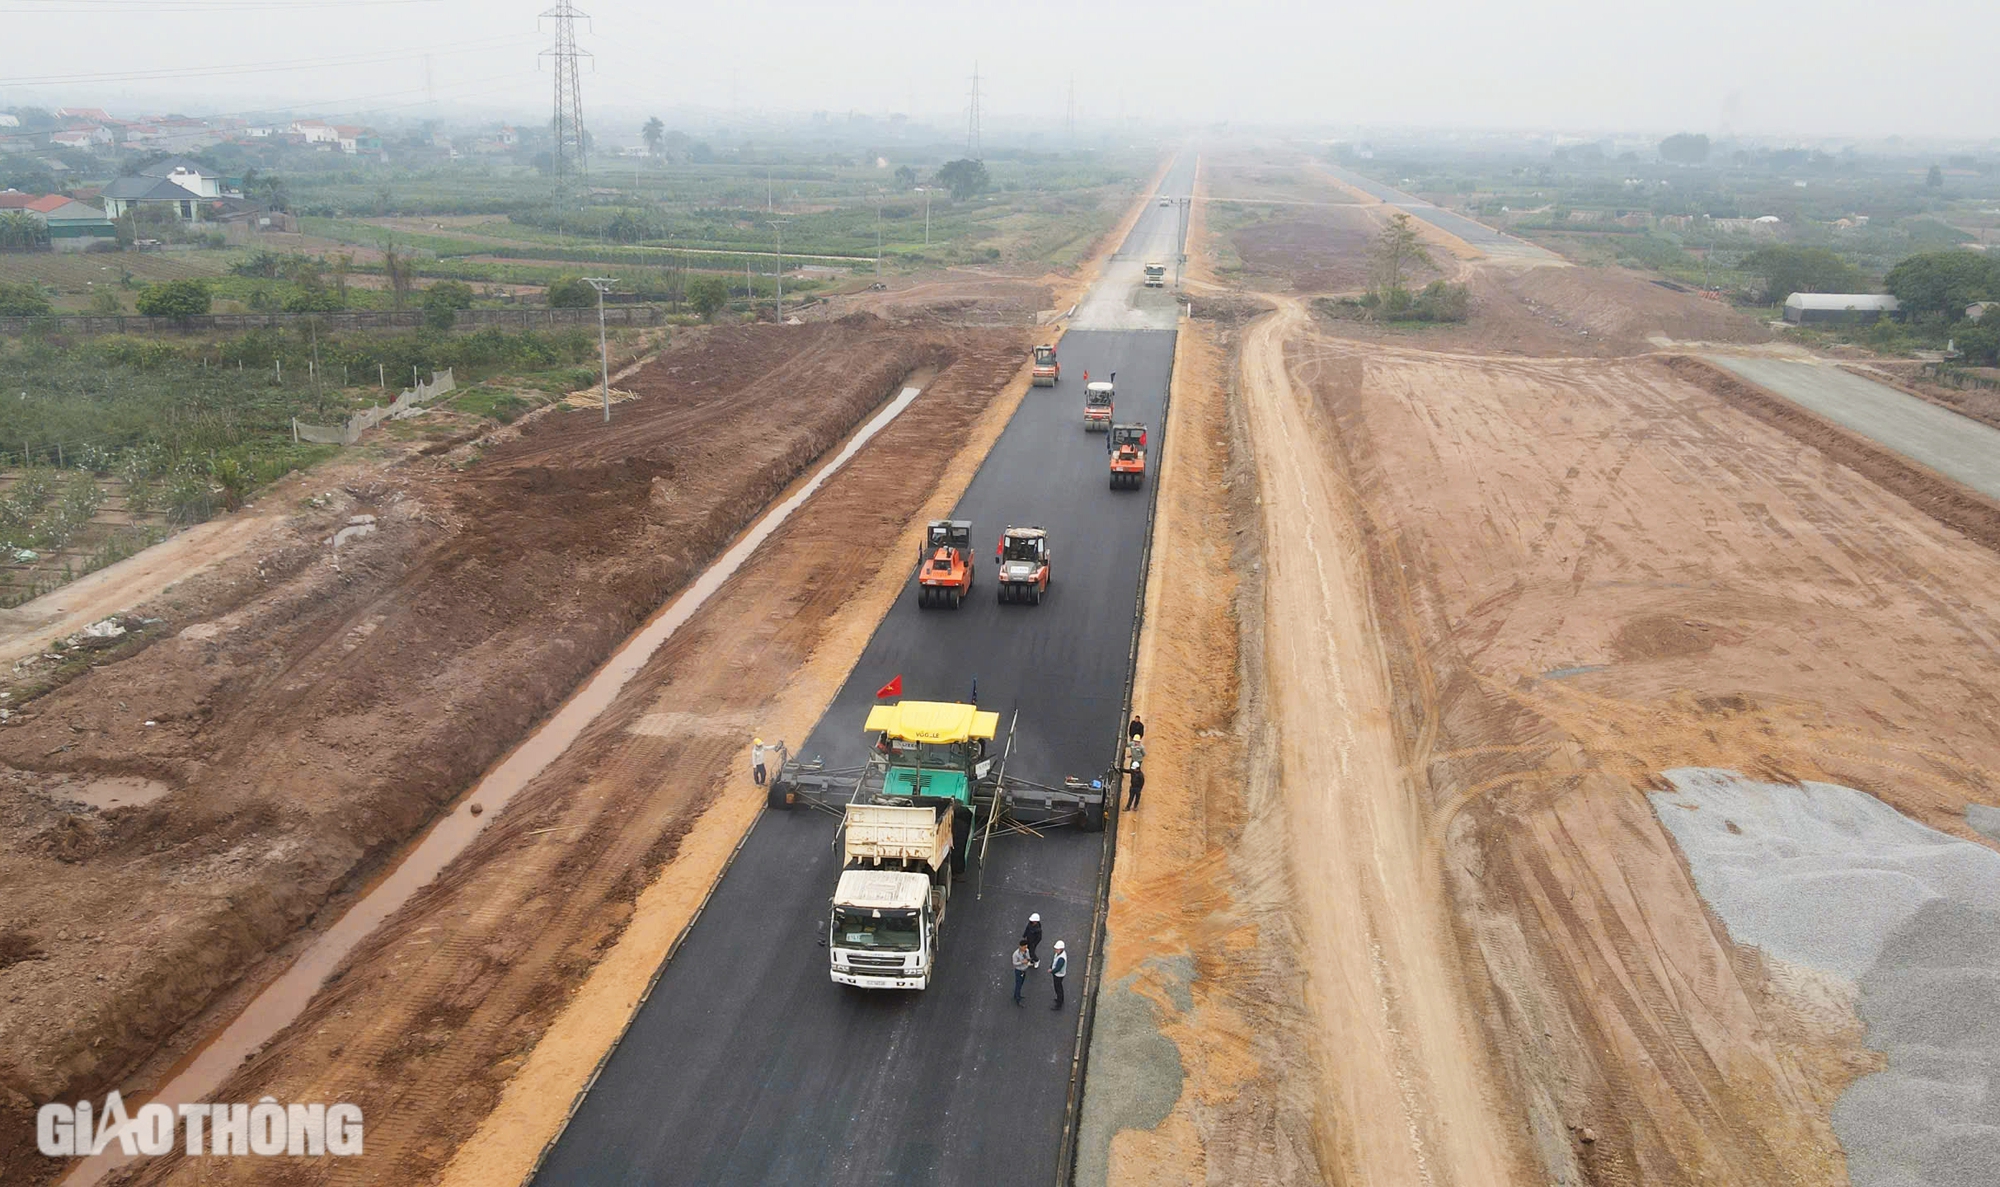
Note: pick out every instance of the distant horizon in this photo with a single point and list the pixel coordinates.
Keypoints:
(1005, 128)
(1849, 73)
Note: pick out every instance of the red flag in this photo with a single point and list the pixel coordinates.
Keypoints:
(892, 689)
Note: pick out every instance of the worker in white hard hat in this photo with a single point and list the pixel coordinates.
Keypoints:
(757, 761)
(1032, 937)
(1058, 970)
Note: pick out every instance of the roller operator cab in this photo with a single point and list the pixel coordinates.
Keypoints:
(944, 565)
(1156, 275)
(1097, 401)
(1047, 369)
(1127, 445)
(1023, 556)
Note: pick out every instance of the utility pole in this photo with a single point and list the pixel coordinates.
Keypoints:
(603, 285)
(779, 225)
(571, 171)
(878, 233)
(926, 192)
(972, 147)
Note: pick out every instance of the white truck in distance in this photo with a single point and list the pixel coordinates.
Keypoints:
(1156, 275)
(890, 901)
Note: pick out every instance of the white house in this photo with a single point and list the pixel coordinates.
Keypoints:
(189, 175)
(99, 137)
(9, 121)
(316, 131)
(129, 193)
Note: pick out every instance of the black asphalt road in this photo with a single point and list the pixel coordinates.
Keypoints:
(747, 1064)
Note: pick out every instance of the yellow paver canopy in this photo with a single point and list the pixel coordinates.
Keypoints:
(932, 721)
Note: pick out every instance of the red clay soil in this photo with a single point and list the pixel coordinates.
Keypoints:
(312, 710)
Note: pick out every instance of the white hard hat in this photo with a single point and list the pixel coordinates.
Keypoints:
(1059, 945)
(1034, 919)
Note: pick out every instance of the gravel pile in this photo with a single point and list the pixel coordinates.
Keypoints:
(1830, 877)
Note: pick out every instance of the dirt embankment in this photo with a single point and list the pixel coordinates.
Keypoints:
(1952, 504)
(318, 707)
(1980, 403)
(1586, 573)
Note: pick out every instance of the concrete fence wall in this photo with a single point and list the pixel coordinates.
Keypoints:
(352, 319)
(403, 405)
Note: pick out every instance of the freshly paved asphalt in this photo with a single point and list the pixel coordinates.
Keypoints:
(1953, 445)
(747, 1064)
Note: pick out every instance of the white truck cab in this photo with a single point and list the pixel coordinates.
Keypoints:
(888, 907)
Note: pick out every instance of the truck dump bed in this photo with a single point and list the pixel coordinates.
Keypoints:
(877, 834)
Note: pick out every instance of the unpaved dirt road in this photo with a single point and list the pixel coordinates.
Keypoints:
(1405, 1089)
(131, 582)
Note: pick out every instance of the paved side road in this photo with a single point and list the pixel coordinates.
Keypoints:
(1476, 233)
(747, 1065)
(1953, 445)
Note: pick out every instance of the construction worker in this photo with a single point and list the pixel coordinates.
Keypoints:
(1058, 970)
(1032, 937)
(1137, 729)
(1021, 966)
(757, 761)
(1135, 754)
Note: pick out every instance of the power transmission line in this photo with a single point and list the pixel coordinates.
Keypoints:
(572, 171)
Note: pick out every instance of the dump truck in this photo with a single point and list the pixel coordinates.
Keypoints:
(1047, 369)
(888, 907)
(1127, 446)
(944, 564)
(1156, 275)
(1097, 399)
(1023, 557)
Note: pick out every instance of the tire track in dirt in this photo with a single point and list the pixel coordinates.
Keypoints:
(1385, 983)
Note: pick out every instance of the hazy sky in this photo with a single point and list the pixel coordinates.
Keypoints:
(1838, 67)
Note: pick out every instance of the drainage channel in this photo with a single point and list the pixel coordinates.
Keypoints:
(280, 1002)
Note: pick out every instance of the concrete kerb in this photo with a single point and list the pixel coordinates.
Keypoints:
(1094, 966)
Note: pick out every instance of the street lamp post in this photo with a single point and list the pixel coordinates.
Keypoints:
(603, 285)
